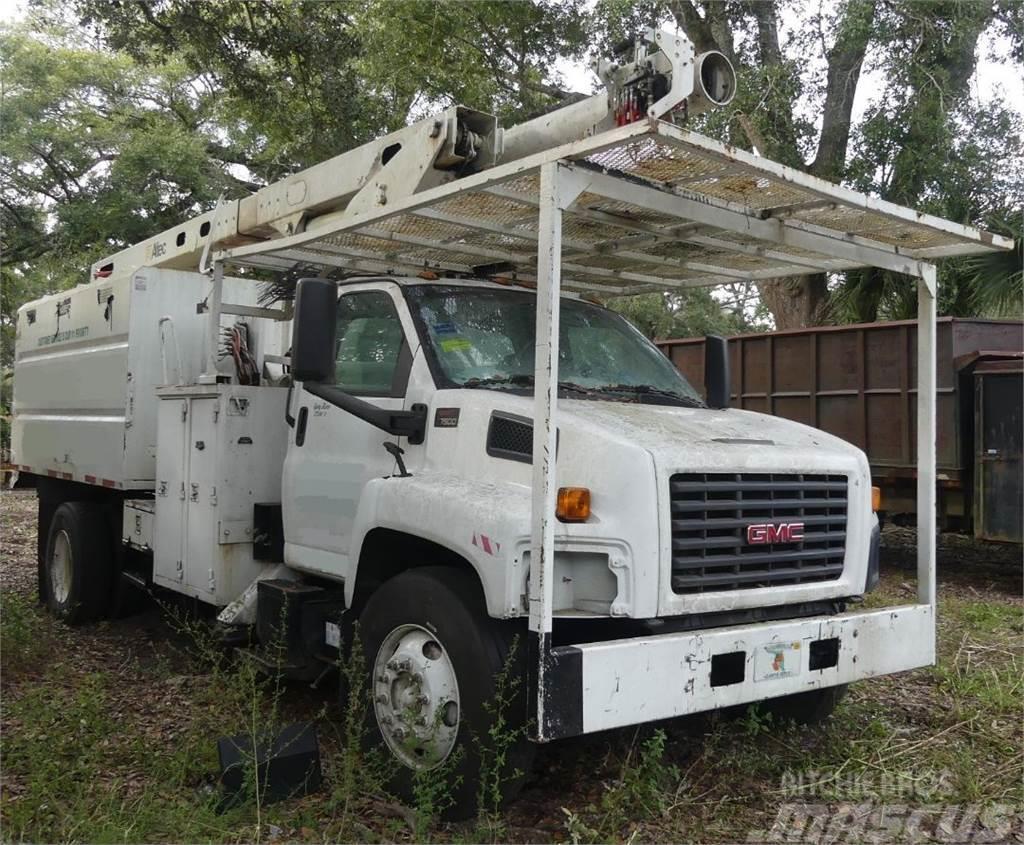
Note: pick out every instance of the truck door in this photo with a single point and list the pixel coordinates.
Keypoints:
(332, 454)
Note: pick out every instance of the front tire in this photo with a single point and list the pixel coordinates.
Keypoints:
(78, 567)
(434, 656)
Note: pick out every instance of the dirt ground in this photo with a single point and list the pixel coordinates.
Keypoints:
(109, 732)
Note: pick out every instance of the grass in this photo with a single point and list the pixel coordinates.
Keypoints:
(109, 736)
(23, 633)
(83, 778)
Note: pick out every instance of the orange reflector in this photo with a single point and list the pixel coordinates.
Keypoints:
(876, 498)
(573, 504)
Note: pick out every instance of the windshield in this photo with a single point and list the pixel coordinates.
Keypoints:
(482, 337)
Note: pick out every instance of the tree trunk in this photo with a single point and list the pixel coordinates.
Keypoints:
(939, 81)
(796, 301)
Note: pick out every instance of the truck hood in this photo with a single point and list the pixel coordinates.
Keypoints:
(730, 438)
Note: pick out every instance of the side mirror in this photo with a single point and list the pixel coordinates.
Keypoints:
(314, 330)
(717, 384)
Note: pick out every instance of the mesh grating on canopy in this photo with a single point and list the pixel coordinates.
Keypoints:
(680, 210)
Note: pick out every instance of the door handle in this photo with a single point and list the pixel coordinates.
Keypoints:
(300, 426)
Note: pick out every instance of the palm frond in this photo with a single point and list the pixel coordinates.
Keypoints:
(997, 278)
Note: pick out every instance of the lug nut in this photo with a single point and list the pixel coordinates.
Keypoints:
(398, 733)
(424, 700)
(382, 699)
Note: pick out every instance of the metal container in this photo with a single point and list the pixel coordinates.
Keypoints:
(88, 360)
(857, 382)
(999, 422)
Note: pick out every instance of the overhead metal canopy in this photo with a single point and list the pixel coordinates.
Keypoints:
(662, 208)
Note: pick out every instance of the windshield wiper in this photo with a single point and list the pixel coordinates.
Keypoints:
(524, 380)
(518, 379)
(649, 390)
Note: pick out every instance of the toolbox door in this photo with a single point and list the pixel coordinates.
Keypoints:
(171, 474)
(201, 498)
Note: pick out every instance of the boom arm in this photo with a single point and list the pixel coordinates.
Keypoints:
(650, 78)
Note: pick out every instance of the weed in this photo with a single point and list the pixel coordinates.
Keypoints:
(495, 750)
(649, 782)
(648, 785)
(25, 633)
(432, 791)
(358, 775)
(579, 831)
(755, 721)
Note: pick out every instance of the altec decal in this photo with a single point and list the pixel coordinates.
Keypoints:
(765, 533)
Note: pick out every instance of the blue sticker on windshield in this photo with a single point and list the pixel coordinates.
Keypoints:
(444, 328)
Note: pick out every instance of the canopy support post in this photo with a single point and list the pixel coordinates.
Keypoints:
(558, 189)
(927, 293)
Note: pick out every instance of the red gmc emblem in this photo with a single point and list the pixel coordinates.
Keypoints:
(784, 532)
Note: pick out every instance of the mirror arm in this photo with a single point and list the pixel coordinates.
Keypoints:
(411, 424)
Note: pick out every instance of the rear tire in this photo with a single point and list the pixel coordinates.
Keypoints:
(78, 568)
(432, 655)
(806, 708)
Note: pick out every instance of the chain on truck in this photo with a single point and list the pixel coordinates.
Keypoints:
(444, 439)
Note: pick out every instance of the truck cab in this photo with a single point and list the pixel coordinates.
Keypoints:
(672, 488)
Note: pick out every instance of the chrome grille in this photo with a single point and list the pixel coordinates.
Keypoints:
(712, 511)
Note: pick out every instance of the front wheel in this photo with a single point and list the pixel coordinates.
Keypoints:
(447, 689)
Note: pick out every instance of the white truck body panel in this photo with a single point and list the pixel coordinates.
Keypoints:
(88, 362)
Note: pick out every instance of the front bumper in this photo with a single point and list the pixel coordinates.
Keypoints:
(596, 686)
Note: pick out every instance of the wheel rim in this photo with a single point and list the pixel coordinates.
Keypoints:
(416, 697)
(60, 567)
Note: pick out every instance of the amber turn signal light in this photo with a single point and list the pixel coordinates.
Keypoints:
(573, 504)
(876, 498)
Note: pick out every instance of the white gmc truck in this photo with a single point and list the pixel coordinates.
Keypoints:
(433, 441)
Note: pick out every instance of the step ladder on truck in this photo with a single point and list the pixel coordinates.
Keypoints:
(445, 440)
